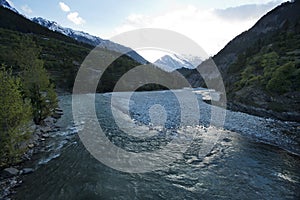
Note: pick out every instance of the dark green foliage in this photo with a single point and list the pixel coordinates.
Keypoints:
(281, 81)
(15, 114)
(274, 67)
(123, 65)
(39, 90)
(35, 81)
(61, 59)
(152, 86)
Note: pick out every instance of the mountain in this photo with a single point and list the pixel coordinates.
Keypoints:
(89, 39)
(173, 62)
(261, 67)
(5, 4)
(194, 60)
(62, 56)
(79, 35)
(276, 20)
(11, 20)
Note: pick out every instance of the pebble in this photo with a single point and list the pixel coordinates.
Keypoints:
(227, 140)
(45, 129)
(10, 177)
(45, 135)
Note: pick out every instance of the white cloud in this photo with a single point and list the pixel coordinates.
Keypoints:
(206, 27)
(74, 17)
(64, 7)
(26, 9)
(246, 11)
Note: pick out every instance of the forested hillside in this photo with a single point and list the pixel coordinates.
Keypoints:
(261, 67)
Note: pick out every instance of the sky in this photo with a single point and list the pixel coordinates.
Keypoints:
(211, 24)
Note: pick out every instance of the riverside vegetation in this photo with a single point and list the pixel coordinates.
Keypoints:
(26, 96)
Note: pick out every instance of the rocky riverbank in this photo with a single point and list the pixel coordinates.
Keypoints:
(11, 177)
(262, 112)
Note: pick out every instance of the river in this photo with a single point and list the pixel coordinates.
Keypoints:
(252, 158)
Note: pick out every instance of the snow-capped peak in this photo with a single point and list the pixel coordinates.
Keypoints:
(89, 39)
(173, 62)
(5, 4)
(54, 26)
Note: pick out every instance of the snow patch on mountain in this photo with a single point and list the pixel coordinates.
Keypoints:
(90, 39)
(78, 35)
(173, 62)
(5, 4)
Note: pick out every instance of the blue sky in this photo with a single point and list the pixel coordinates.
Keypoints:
(211, 24)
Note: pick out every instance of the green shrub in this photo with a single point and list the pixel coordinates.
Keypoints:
(15, 116)
(281, 79)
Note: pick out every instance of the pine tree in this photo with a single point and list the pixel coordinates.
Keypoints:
(15, 115)
(35, 81)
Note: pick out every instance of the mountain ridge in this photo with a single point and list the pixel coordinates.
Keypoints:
(89, 39)
(267, 24)
(79, 36)
(5, 4)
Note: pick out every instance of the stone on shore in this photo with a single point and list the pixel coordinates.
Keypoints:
(26, 171)
(45, 129)
(9, 172)
(57, 113)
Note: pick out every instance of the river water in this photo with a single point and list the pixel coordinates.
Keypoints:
(252, 158)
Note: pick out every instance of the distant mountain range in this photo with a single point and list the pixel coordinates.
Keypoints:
(90, 39)
(82, 36)
(168, 62)
(173, 62)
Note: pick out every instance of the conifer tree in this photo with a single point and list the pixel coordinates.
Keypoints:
(35, 81)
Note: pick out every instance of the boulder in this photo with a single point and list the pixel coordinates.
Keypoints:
(26, 171)
(9, 172)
